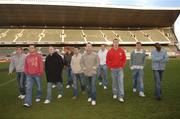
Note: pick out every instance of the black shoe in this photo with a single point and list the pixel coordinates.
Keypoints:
(159, 98)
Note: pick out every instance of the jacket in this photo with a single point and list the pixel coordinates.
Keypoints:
(33, 64)
(17, 63)
(54, 67)
(137, 59)
(116, 58)
(159, 59)
(89, 64)
(75, 64)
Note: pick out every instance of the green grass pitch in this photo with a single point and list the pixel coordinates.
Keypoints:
(134, 107)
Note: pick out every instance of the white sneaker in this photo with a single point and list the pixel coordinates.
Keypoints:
(134, 90)
(46, 102)
(19, 96)
(68, 86)
(59, 96)
(141, 94)
(114, 96)
(100, 83)
(22, 97)
(121, 99)
(89, 99)
(93, 103)
(38, 100)
(53, 86)
(26, 105)
(105, 87)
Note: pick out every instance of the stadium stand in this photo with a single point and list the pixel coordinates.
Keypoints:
(76, 36)
(109, 35)
(82, 36)
(54, 35)
(140, 36)
(94, 36)
(125, 36)
(155, 35)
(62, 25)
(73, 35)
(29, 35)
(9, 35)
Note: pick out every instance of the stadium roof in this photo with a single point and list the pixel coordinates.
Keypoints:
(77, 16)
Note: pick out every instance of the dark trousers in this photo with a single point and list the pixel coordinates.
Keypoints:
(158, 74)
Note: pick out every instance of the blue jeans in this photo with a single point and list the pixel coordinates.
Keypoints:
(158, 78)
(91, 86)
(49, 89)
(103, 74)
(69, 75)
(118, 82)
(21, 78)
(30, 81)
(77, 77)
(138, 75)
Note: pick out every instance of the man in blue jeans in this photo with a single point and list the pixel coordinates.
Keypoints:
(159, 60)
(33, 69)
(53, 68)
(17, 64)
(77, 73)
(89, 64)
(137, 61)
(102, 69)
(116, 60)
(67, 61)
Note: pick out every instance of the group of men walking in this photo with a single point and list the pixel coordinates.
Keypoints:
(85, 68)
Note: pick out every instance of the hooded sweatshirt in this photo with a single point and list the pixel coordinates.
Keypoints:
(33, 64)
(17, 63)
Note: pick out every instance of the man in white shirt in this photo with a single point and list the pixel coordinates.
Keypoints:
(102, 69)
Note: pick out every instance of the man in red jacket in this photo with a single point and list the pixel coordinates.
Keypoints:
(116, 60)
(33, 69)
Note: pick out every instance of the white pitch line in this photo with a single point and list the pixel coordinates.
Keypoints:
(3, 84)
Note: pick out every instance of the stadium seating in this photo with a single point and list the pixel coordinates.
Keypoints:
(109, 35)
(125, 36)
(30, 35)
(75, 36)
(155, 35)
(140, 36)
(52, 35)
(2, 30)
(9, 34)
(170, 35)
(79, 36)
(94, 36)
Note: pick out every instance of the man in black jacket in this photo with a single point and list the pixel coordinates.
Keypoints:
(53, 68)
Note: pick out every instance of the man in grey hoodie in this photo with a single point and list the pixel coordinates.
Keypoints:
(137, 62)
(17, 64)
(89, 64)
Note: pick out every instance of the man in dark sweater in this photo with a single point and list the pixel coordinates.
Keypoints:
(67, 61)
(53, 68)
